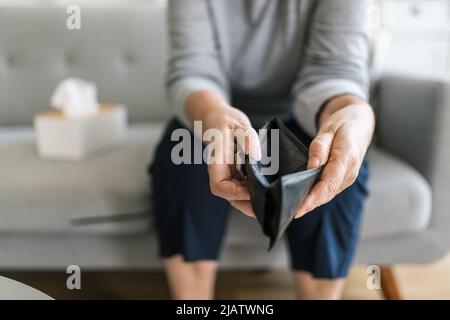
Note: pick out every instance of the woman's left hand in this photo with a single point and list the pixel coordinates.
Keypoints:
(346, 127)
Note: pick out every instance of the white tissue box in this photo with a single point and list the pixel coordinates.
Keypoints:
(59, 137)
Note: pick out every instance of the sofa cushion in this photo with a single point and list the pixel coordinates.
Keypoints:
(400, 198)
(399, 202)
(109, 193)
(106, 193)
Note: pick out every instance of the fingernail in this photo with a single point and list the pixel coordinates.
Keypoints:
(258, 155)
(313, 162)
(304, 207)
(307, 201)
(300, 214)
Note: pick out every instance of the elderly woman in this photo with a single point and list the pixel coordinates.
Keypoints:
(233, 64)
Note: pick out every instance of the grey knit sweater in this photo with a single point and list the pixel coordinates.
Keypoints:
(311, 50)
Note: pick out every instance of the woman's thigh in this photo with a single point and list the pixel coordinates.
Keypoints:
(189, 219)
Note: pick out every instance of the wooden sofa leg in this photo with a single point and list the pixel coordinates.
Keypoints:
(388, 284)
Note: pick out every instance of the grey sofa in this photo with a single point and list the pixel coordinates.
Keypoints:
(97, 213)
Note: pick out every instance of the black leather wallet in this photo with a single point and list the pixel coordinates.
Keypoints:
(276, 197)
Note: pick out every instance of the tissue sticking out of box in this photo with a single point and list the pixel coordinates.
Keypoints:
(75, 98)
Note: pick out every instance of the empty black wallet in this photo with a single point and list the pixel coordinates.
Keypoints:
(275, 197)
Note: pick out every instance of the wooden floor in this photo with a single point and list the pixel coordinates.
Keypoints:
(430, 281)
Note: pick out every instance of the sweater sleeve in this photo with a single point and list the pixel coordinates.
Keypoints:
(335, 58)
(194, 62)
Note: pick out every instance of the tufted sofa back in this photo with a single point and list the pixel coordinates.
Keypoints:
(122, 49)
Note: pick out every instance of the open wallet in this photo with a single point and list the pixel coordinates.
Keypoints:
(275, 197)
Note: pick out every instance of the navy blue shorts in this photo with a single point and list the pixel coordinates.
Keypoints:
(191, 221)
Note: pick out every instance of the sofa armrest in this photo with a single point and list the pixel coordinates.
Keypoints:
(410, 121)
(414, 124)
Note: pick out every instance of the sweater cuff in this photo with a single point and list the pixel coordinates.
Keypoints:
(180, 90)
(311, 100)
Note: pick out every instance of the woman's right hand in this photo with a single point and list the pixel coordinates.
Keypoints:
(236, 131)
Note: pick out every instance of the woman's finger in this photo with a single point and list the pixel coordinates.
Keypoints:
(248, 140)
(223, 185)
(244, 206)
(319, 149)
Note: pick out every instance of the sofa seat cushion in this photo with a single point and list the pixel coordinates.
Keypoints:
(399, 202)
(400, 198)
(109, 192)
(106, 193)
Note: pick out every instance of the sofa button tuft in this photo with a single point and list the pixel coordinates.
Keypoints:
(69, 60)
(129, 58)
(10, 60)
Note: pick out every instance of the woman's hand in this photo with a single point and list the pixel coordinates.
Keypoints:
(346, 127)
(225, 179)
